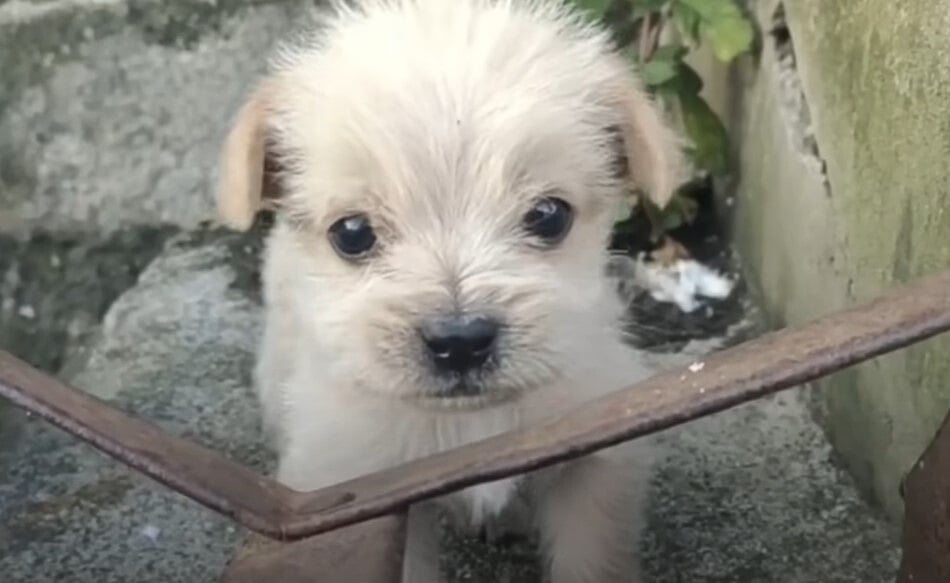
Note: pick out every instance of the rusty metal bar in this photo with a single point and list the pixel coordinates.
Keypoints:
(926, 537)
(188, 468)
(769, 364)
(370, 551)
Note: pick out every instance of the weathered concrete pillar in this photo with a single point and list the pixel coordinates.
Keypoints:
(842, 125)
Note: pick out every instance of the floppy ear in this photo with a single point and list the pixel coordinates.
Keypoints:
(655, 163)
(246, 180)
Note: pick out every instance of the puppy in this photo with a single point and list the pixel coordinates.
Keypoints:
(445, 175)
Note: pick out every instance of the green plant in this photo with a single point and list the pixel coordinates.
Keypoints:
(638, 27)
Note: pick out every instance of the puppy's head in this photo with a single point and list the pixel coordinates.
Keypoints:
(446, 175)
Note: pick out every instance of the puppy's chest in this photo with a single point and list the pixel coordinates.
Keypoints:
(476, 504)
(482, 504)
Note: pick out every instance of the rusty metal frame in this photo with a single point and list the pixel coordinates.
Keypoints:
(926, 536)
(766, 365)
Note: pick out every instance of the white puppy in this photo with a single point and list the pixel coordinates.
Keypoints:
(445, 174)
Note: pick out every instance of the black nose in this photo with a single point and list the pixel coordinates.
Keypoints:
(460, 343)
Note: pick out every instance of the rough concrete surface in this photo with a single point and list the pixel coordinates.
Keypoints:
(55, 288)
(112, 111)
(842, 141)
(749, 496)
(175, 349)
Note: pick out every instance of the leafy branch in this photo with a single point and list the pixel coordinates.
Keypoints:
(657, 35)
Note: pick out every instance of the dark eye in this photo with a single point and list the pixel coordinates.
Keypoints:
(353, 236)
(550, 219)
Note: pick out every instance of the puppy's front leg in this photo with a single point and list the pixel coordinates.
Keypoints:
(423, 543)
(589, 517)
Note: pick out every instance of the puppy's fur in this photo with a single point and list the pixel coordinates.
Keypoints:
(443, 121)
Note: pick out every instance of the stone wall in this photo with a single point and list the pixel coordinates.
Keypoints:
(112, 111)
(842, 126)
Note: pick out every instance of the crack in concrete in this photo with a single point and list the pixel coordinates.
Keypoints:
(792, 96)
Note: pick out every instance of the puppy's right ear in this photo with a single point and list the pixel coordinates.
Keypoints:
(246, 180)
(651, 149)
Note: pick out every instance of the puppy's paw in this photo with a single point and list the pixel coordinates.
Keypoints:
(423, 533)
(590, 515)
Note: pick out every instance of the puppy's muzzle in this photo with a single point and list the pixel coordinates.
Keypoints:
(460, 343)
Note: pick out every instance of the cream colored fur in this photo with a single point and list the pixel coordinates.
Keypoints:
(443, 120)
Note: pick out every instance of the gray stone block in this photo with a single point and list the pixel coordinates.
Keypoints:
(112, 111)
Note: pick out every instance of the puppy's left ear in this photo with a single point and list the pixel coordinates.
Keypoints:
(655, 162)
(246, 181)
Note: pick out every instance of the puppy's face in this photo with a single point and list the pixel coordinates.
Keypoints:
(446, 176)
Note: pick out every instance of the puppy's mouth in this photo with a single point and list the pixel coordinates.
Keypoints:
(461, 388)
(465, 392)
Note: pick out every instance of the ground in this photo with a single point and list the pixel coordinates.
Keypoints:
(750, 495)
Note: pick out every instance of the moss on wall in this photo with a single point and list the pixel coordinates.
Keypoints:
(875, 89)
(877, 77)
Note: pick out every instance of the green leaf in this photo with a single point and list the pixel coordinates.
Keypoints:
(651, 5)
(680, 210)
(687, 82)
(670, 52)
(724, 25)
(658, 71)
(595, 8)
(710, 142)
(730, 37)
(664, 65)
(687, 20)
